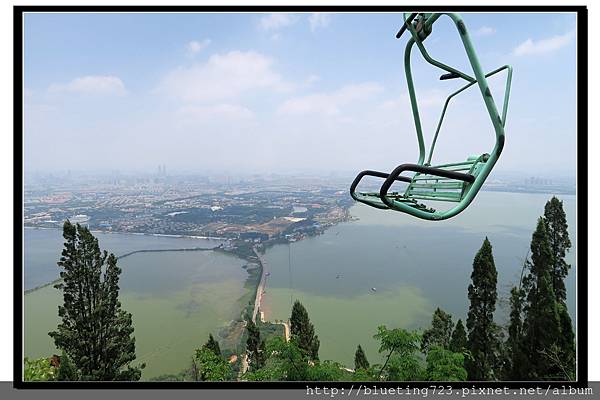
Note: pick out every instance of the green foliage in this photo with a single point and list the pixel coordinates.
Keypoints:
(212, 345)
(458, 341)
(365, 375)
(402, 347)
(440, 332)
(445, 365)
(515, 363)
(95, 332)
(66, 369)
(288, 361)
(39, 369)
(212, 367)
(542, 324)
(255, 347)
(303, 331)
(482, 341)
(328, 371)
(360, 359)
(555, 220)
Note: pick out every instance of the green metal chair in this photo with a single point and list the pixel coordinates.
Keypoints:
(455, 182)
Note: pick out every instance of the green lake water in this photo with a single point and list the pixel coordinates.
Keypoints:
(176, 299)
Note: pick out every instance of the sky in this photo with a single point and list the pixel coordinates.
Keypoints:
(307, 92)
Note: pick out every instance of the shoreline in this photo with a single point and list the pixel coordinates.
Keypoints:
(139, 234)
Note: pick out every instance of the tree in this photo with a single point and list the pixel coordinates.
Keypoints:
(560, 243)
(542, 324)
(212, 345)
(482, 339)
(255, 347)
(66, 369)
(458, 341)
(515, 367)
(555, 220)
(360, 359)
(303, 330)
(445, 365)
(95, 332)
(401, 362)
(287, 362)
(212, 367)
(440, 332)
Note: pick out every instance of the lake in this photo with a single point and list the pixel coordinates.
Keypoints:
(177, 298)
(413, 265)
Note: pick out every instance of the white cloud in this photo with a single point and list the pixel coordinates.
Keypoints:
(276, 21)
(312, 79)
(195, 47)
(485, 31)
(425, 99)
(329, 103)
(223, 76)
(219, 112)
(319, 20)
(543, 46)
(92, 85)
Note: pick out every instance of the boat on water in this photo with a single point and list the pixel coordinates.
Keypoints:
(373, 289)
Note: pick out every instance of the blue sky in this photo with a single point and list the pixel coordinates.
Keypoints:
(286, 92)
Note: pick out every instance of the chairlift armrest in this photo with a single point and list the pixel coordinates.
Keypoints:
(376, 174)
(423, 170)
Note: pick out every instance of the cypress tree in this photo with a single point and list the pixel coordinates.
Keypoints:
(458, 341)
(255, 347)
(516, 363)
(558, 236)
(482, 339)
(360, 359)
(560, 243)
(95, 333)
(212, 345)
(440, 332)
(303, 331)
(542, 324)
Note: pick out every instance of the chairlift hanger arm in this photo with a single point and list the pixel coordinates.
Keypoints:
(468, 85)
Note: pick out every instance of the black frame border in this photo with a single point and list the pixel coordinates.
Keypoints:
(581, 199)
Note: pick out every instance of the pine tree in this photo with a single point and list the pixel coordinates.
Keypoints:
(255, 347)
(440, 332)
(212, 345)
(542, 324)
(360, 359)
(458, 341)
(558, 236)
(95, 332)
(303, 331)
(482, 339)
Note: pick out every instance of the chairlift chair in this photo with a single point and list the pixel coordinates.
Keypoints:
(457, 182)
